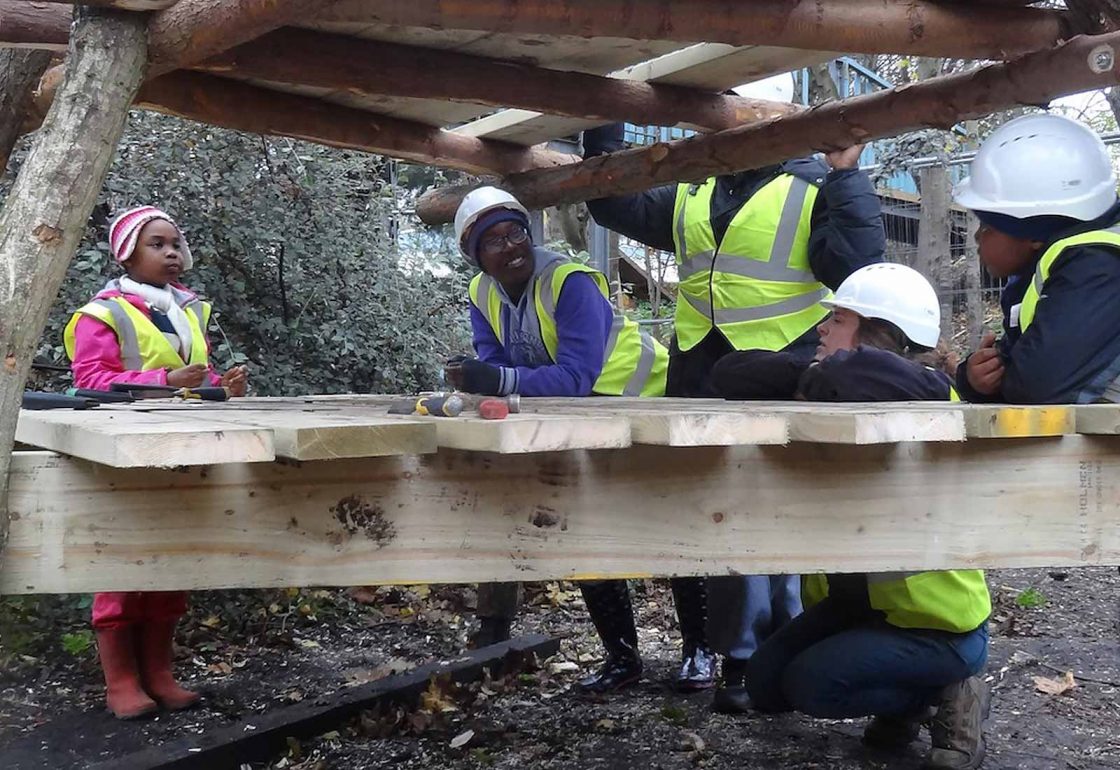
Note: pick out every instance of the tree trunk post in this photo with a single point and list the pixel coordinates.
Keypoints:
(45, 214)
(974, 300)
(20, 70)
(934, 257)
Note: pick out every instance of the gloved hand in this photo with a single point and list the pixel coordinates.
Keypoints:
(487, 379)
(453, 370)
(604, 139)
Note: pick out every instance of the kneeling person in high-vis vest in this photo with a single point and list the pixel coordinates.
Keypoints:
(1044, 190)
(905, 648)
(543, 326)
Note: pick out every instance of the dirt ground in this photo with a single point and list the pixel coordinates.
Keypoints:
(252, 652)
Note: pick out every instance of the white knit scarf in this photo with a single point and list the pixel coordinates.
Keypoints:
(162, 298)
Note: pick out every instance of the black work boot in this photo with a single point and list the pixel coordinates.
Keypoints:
(490, 631)
(698, 662)
(731, 694)
(957, 732)
(894, 733)
(608, 603)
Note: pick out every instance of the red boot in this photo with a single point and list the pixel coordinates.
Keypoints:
(155, 666)
(123, 693)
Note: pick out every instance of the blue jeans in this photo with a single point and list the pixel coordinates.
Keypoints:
(744, 610)
(831, 663)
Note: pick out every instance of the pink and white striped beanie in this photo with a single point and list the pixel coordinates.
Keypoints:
(126, 228)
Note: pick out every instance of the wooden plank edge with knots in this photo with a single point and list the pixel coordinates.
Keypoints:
(124, 439)
(652, 511)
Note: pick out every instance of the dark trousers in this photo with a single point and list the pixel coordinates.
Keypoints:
(832, 663)
(743, 610)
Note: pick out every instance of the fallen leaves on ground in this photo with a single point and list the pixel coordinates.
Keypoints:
(1059, 686)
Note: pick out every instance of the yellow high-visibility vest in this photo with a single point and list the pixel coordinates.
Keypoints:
(634, 363)
(143, 346)
(757, 287)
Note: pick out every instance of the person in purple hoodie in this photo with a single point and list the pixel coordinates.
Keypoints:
(543, 326)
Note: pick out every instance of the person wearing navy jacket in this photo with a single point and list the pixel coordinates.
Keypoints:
(903, 648)
(542, 326)
(789, 232)
(1044, 190)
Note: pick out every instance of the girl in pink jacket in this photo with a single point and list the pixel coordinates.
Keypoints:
(144, 327)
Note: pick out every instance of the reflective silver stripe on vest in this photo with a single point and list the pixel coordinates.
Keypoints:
(786, 235)
(548, 299)
(735, 264)
(777, 268)
(485, 284)
(126, 332)
(642, 371)
(759, 313)
(196, 308)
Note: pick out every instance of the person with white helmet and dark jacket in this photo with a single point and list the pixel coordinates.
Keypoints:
(903, 648)
(756, 251)
(543, 326)
(1044, 190)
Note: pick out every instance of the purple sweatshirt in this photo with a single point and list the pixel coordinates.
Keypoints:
(583, 323)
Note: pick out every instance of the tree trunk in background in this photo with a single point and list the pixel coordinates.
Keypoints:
(974, 298)
(934, 254)
(45, 214)
(20, 70)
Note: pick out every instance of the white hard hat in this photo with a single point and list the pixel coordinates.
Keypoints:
(476, 203)
(894, 293)
(1040, 165)
(776, 88)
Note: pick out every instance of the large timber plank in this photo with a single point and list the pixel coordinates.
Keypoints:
(1004, 421)
(125, 439)
(1098, 419)
(469, 517)
(528, 433)
(311, 435)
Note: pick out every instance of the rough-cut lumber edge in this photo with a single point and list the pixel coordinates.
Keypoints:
(229, 104)
(1084, 63)
(46, 210)
(263, 736)
(1002, 421)
(356, 66)
(324, 435)
(130, 440)
(683, 429)
(526, 434)
(651, 511)
(1098, 419)
(916, 27)
(876, 427)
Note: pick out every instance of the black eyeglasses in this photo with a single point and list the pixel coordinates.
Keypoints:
(515, 237)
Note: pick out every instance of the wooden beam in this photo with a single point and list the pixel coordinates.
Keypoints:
(243, 107)
(353, 65)
(20, 71)
(124, 439)
(642, 511)
(191, 31)
(916, 27)
(34, 25)
(1084, 63)
(46, 210)
(125, 5)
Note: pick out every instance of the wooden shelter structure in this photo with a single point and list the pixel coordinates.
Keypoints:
(482, 87)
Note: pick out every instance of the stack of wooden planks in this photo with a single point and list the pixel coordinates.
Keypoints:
(164, 496)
